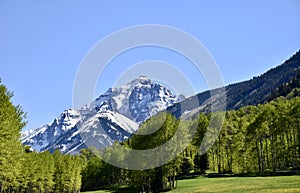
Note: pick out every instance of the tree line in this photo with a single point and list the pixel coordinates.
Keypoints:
(98, 174)
(253, 139)
(263, 138)
(22, 170)
(45, 172)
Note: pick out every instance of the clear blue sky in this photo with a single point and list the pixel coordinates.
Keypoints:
(43, 42)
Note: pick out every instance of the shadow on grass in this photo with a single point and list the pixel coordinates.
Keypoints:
(264, 174)
(211, 175)
(186, 177)
(123, 190)
(113, 190)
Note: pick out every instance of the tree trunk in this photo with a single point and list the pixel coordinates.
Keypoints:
(174, 179)
(258, 156)
(273, 154)
(262, 156)
(289, 149)
(219, 155)
(267, 154)
(283, 151)
(295, 162)
(298, 156)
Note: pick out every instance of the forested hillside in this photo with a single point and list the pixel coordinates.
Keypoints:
(257, 90)
(289, 89)
(252, 92)
(260, 134)
(253, 139)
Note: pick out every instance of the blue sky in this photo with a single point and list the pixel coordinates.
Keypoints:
(42, 43)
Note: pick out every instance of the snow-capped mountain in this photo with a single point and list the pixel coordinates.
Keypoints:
(113, 116)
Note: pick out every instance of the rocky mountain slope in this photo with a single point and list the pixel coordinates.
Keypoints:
(113, 116)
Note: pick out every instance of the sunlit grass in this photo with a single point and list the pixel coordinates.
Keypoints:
(233, 184)
(240, 184)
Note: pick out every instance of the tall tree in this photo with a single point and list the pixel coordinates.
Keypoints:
(11, 124)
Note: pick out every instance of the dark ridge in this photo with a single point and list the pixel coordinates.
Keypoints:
(251, 92)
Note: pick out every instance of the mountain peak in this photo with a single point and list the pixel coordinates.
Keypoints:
(141, 80)
(114, 115)
(139, 99)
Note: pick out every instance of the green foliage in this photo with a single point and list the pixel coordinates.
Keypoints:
(67, 172)
(11, 123)
(259, 139)
(289, 90)
(253, 139)
(24, 171)
(99, 175)
(45, 172)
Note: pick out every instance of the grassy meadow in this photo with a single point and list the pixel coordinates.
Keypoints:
(272, 184)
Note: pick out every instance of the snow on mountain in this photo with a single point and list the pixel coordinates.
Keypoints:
(113, 116)
(138, 100)
(41, 137)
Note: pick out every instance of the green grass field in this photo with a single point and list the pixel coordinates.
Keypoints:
(233, 184)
